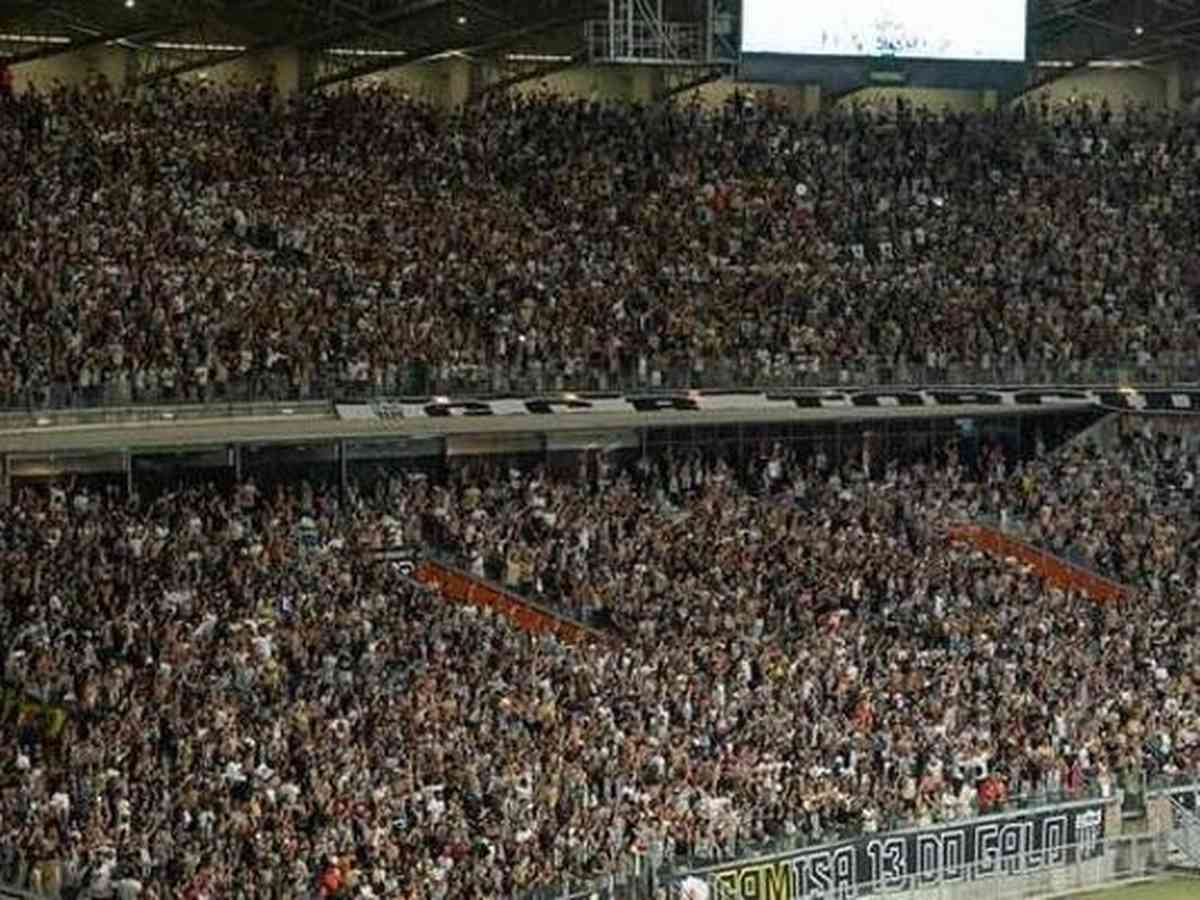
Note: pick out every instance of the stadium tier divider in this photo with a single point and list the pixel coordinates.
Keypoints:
(1054, 569)
(456, 585)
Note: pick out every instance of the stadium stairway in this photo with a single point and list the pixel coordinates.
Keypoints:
(457, 586)
(1054, 569)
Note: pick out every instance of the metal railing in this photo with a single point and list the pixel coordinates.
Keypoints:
(1172, 782)
(663, 372)
(1110, 861)
(1184, 836)
(635, 873)
(556, 603)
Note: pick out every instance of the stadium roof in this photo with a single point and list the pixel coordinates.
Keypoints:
(417, 27)
(382, 33)
(1141, 30)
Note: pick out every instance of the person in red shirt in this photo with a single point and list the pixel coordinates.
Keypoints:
(991, 793)
(330, 881)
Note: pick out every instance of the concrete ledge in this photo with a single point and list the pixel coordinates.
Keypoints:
(138, 415)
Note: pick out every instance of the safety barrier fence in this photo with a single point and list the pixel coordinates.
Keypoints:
(1162, 499)
(759, 868)
(1013, 876)
(664, 372)
(1049, 846)
(1045, 852)
(1007, 876)
(1184, 834)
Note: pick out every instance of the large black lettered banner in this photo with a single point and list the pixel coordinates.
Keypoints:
(913, 399)
(881, 864)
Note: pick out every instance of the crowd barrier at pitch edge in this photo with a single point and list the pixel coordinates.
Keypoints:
(1054, 569)
(1017, 854)
(1037, 852)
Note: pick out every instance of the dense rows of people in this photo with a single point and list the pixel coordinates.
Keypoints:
(195, 242)
(255, 705)
(1080, 504)
(258, 707)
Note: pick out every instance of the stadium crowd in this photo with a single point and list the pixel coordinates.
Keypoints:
(195, 242)
(1079, 504)
(802, 654)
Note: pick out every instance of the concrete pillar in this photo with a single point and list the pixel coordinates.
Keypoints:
(114, 63)
(645, 84)
(284, 67)
(459, 82)
(1174, 91)
(812, 99)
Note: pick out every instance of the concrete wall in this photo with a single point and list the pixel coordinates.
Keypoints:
(73, 68)
(426, 80)
(281, 66)
(933, 99)
(1139, 86)
(1188, 77)
(245, 71)
(584, 82)
(798, 98)
(1120, 86)
(116, 64)
(447, 82)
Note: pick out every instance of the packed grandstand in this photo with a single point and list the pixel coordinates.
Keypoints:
(205, 243)
(797, 651)
(800, 654)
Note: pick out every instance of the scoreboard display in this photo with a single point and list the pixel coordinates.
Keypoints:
(914, 29)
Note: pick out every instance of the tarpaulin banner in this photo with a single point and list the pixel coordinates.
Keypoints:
(1054, 569)
(749, 401)
(881, 864)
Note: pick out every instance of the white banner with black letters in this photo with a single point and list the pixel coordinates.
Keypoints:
(871, 865)
(1116, 399)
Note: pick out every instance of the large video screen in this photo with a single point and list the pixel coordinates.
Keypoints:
(918, 29)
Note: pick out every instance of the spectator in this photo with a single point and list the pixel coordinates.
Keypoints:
(252, 711)
(192, 245)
